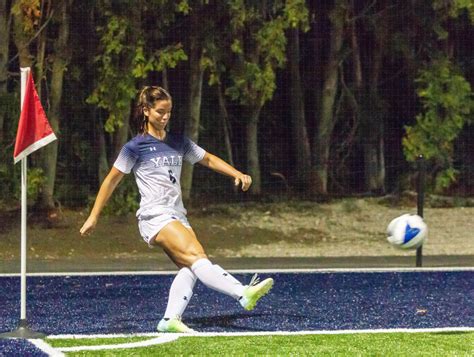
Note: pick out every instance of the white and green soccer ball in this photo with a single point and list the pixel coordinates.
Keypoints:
(407, 231)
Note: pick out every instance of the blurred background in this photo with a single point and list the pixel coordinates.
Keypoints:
(321, 102)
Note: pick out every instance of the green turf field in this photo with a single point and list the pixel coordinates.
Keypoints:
(363, 344)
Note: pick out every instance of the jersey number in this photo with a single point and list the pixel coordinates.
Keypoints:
(172, 178)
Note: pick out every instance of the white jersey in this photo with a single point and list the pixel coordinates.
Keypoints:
(157, 167)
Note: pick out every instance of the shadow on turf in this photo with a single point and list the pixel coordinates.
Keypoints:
(234, 321)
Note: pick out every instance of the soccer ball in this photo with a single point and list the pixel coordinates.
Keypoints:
(407, 231)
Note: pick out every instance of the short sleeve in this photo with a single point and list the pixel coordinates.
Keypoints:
(126, 159)
(192, 151)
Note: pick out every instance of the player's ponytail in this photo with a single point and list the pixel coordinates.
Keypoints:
(146, 99)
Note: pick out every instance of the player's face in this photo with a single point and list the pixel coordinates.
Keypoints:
(159, 115)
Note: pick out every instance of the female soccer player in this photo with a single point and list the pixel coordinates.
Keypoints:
(156, 157)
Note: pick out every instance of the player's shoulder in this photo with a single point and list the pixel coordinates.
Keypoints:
(136, 142)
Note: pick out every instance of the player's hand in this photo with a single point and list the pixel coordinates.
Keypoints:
(88, 226)
(244, 180)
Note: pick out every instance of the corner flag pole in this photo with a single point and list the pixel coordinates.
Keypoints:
(33, 133)
(24, 202)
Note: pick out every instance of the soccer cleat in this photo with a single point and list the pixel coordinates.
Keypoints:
(173, 325)
(254, 291)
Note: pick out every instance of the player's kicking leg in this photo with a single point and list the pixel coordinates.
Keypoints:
(184, 249)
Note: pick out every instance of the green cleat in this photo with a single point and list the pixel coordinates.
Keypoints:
(254, 291)
(174, 325)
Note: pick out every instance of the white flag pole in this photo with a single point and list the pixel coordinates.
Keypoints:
(24, 202)
(23, 331)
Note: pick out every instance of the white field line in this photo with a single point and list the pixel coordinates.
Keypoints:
(271, 333)
(263, 271)
(335, 332)
(151, 342)
(160, 339)
(104, 335)
(46, 348)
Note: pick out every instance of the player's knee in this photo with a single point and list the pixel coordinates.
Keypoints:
(193, 256)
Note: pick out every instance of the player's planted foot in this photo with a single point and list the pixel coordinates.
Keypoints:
(254, 291)
(173, 325)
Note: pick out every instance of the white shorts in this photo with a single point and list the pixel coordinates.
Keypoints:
(150, 227)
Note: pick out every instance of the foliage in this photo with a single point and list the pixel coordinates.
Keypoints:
(183, 7)
(447, 107)
(9, 179)
(448, 10)
(9, 173)
(29, 12)
(117, 49)
(36, 180)
(297, 15)
(455, 8)
(124, 59)
(10, 182)
(259, 46)
(244, 42)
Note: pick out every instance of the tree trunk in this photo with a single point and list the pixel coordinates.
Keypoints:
(356, 61)
(121, 134)
(21, 40)
(164, 79)
(322, 138)
(226, 127)
(48, 155)
(253, 161)
(41, 47)
(374, 152)
(100, 148)
(375, 163)
(40, 158)
(4, 40)
(298, 121)
(374, 127)
(193, 116)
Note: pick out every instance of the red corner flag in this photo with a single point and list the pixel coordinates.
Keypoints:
(34, 130)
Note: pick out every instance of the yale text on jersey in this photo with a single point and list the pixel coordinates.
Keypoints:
(171, 160)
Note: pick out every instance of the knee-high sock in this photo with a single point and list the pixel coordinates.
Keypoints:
(213, 277)
(226, 274)
(181, 291)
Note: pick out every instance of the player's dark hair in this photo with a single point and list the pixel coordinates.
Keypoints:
(146, 99)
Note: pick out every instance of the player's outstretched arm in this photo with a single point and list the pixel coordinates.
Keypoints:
(106, 189)
(217, 164)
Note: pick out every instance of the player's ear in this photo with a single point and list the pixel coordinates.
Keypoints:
(146, 111)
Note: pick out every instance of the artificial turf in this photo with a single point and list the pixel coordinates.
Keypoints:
(366, 344)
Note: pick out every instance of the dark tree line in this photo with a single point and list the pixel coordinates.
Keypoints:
(317, 97)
